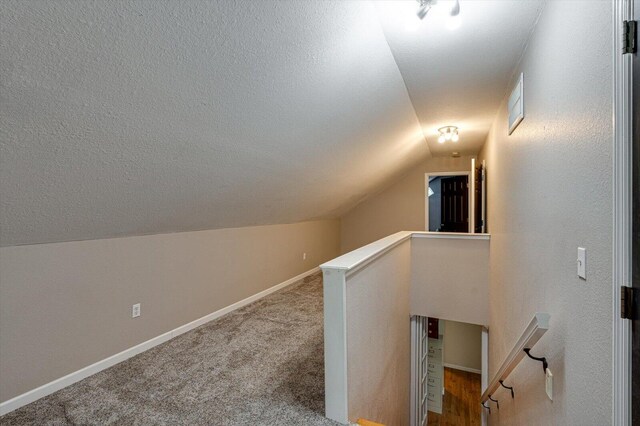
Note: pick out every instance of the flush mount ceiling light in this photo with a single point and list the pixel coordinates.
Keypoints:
(426, 5)
(448, 133)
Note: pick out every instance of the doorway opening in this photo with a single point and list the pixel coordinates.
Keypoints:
(448, 371)
(447, 207)
(457, 201)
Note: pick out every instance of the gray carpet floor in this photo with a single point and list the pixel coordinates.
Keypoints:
(260, 365)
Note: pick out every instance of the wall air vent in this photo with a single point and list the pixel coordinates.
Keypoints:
(516, 104)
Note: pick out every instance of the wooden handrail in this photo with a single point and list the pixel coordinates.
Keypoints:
(535, 330)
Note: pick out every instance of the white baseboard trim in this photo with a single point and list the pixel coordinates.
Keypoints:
(461, 368)
(76, 376)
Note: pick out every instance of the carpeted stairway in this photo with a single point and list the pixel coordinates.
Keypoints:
(260, 365)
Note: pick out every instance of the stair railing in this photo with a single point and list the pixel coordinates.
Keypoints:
(535, 330)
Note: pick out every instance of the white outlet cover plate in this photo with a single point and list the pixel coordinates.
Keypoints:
(549, 383)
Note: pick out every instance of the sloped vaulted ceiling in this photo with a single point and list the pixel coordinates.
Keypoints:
(139, 117)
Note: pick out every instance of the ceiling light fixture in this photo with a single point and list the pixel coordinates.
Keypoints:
(425, 6)
(448, 133)
(455, 9)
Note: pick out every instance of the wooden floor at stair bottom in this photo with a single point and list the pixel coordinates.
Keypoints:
(461, 405)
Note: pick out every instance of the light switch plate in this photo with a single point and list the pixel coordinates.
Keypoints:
(135, 311)
(582, 263)
(548, 382)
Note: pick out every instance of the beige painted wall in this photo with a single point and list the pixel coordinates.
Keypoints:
(64, 306)
(458, 291)
(378, 339)
(463, 345)
(550, 192)
(399, 207)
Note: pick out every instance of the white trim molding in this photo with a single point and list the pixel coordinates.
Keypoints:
(463, 368)
(356, 259)
(76, 376)
(484, 379)
(335, 345)
(451, 235)
(622, 210)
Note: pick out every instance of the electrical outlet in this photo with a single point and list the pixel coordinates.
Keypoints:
(548, 382)
(135, 310)
(304, 256)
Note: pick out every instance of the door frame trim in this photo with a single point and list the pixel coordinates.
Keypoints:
(622, 215)
(426, 195)
(484, 378)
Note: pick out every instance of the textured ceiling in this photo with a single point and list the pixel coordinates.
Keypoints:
(139, 117)
(458, 76)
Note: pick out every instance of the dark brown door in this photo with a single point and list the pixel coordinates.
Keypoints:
(455, 204)
(635, 245)
(433, 328)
